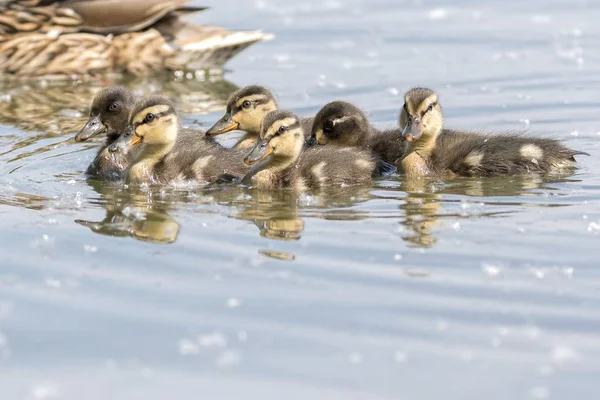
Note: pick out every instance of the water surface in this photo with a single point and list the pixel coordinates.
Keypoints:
(462, 289)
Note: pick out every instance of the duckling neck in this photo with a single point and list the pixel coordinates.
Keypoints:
(417, 155)
(247, 141)
(142, 168)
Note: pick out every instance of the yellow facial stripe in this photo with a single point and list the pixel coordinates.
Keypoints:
(254, 97)
(430, 100)
(158, 109)
(272, 130)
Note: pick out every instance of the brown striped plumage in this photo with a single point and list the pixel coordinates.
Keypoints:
(433, 150)
(279, 161)
(53, 37)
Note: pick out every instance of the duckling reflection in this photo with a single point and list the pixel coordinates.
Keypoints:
(274, 213)
(129, 214)
(148, 225)
(421, 213)
(424, 204)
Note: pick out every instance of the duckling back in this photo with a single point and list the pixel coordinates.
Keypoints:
(199, 158)
(387, 144)
(473, 154)
(320, 167)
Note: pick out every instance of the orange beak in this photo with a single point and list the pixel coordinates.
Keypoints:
(135, 139)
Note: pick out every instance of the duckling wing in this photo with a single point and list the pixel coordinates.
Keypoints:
(328, 166)
(196, 157)
(471, 154)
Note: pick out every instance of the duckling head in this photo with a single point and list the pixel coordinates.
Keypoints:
(421, 115)
(153, 121)
(246, 109)
(339, 123)
(280, 142)
(109, 113)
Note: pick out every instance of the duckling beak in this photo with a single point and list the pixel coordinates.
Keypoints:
(224, 125)
(135, 140)
(121, 144)
(261, 151)
(92, 128)
(413, 130)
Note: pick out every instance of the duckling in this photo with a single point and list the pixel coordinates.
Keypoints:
(343, 124)
(109, 115)
(432, 149)
(170, 154)
(246, 108)
(54, 37)
(278, 161)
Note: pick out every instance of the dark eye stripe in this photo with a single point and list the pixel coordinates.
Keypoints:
(156, 116)
(234, 109)
(428, 109)
(289, 127)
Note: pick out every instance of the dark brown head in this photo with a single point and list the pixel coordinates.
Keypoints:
(246, 109)
(421, 115)
(109, 113)
(340, 123)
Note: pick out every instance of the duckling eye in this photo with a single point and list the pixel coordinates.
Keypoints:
(282, 129)
(149, 118)
(430, 107)
(113, 107)
(328, 126)
(246, 104)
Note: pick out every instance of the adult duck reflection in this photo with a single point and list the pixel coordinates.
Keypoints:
(61, 108)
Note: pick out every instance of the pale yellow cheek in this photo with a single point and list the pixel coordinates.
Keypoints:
(321, 138)
(142, 130)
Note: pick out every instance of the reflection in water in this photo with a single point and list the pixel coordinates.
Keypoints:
(274, 213)
(130, 214)
(141, 223)
(423, 206)
(59, 108)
